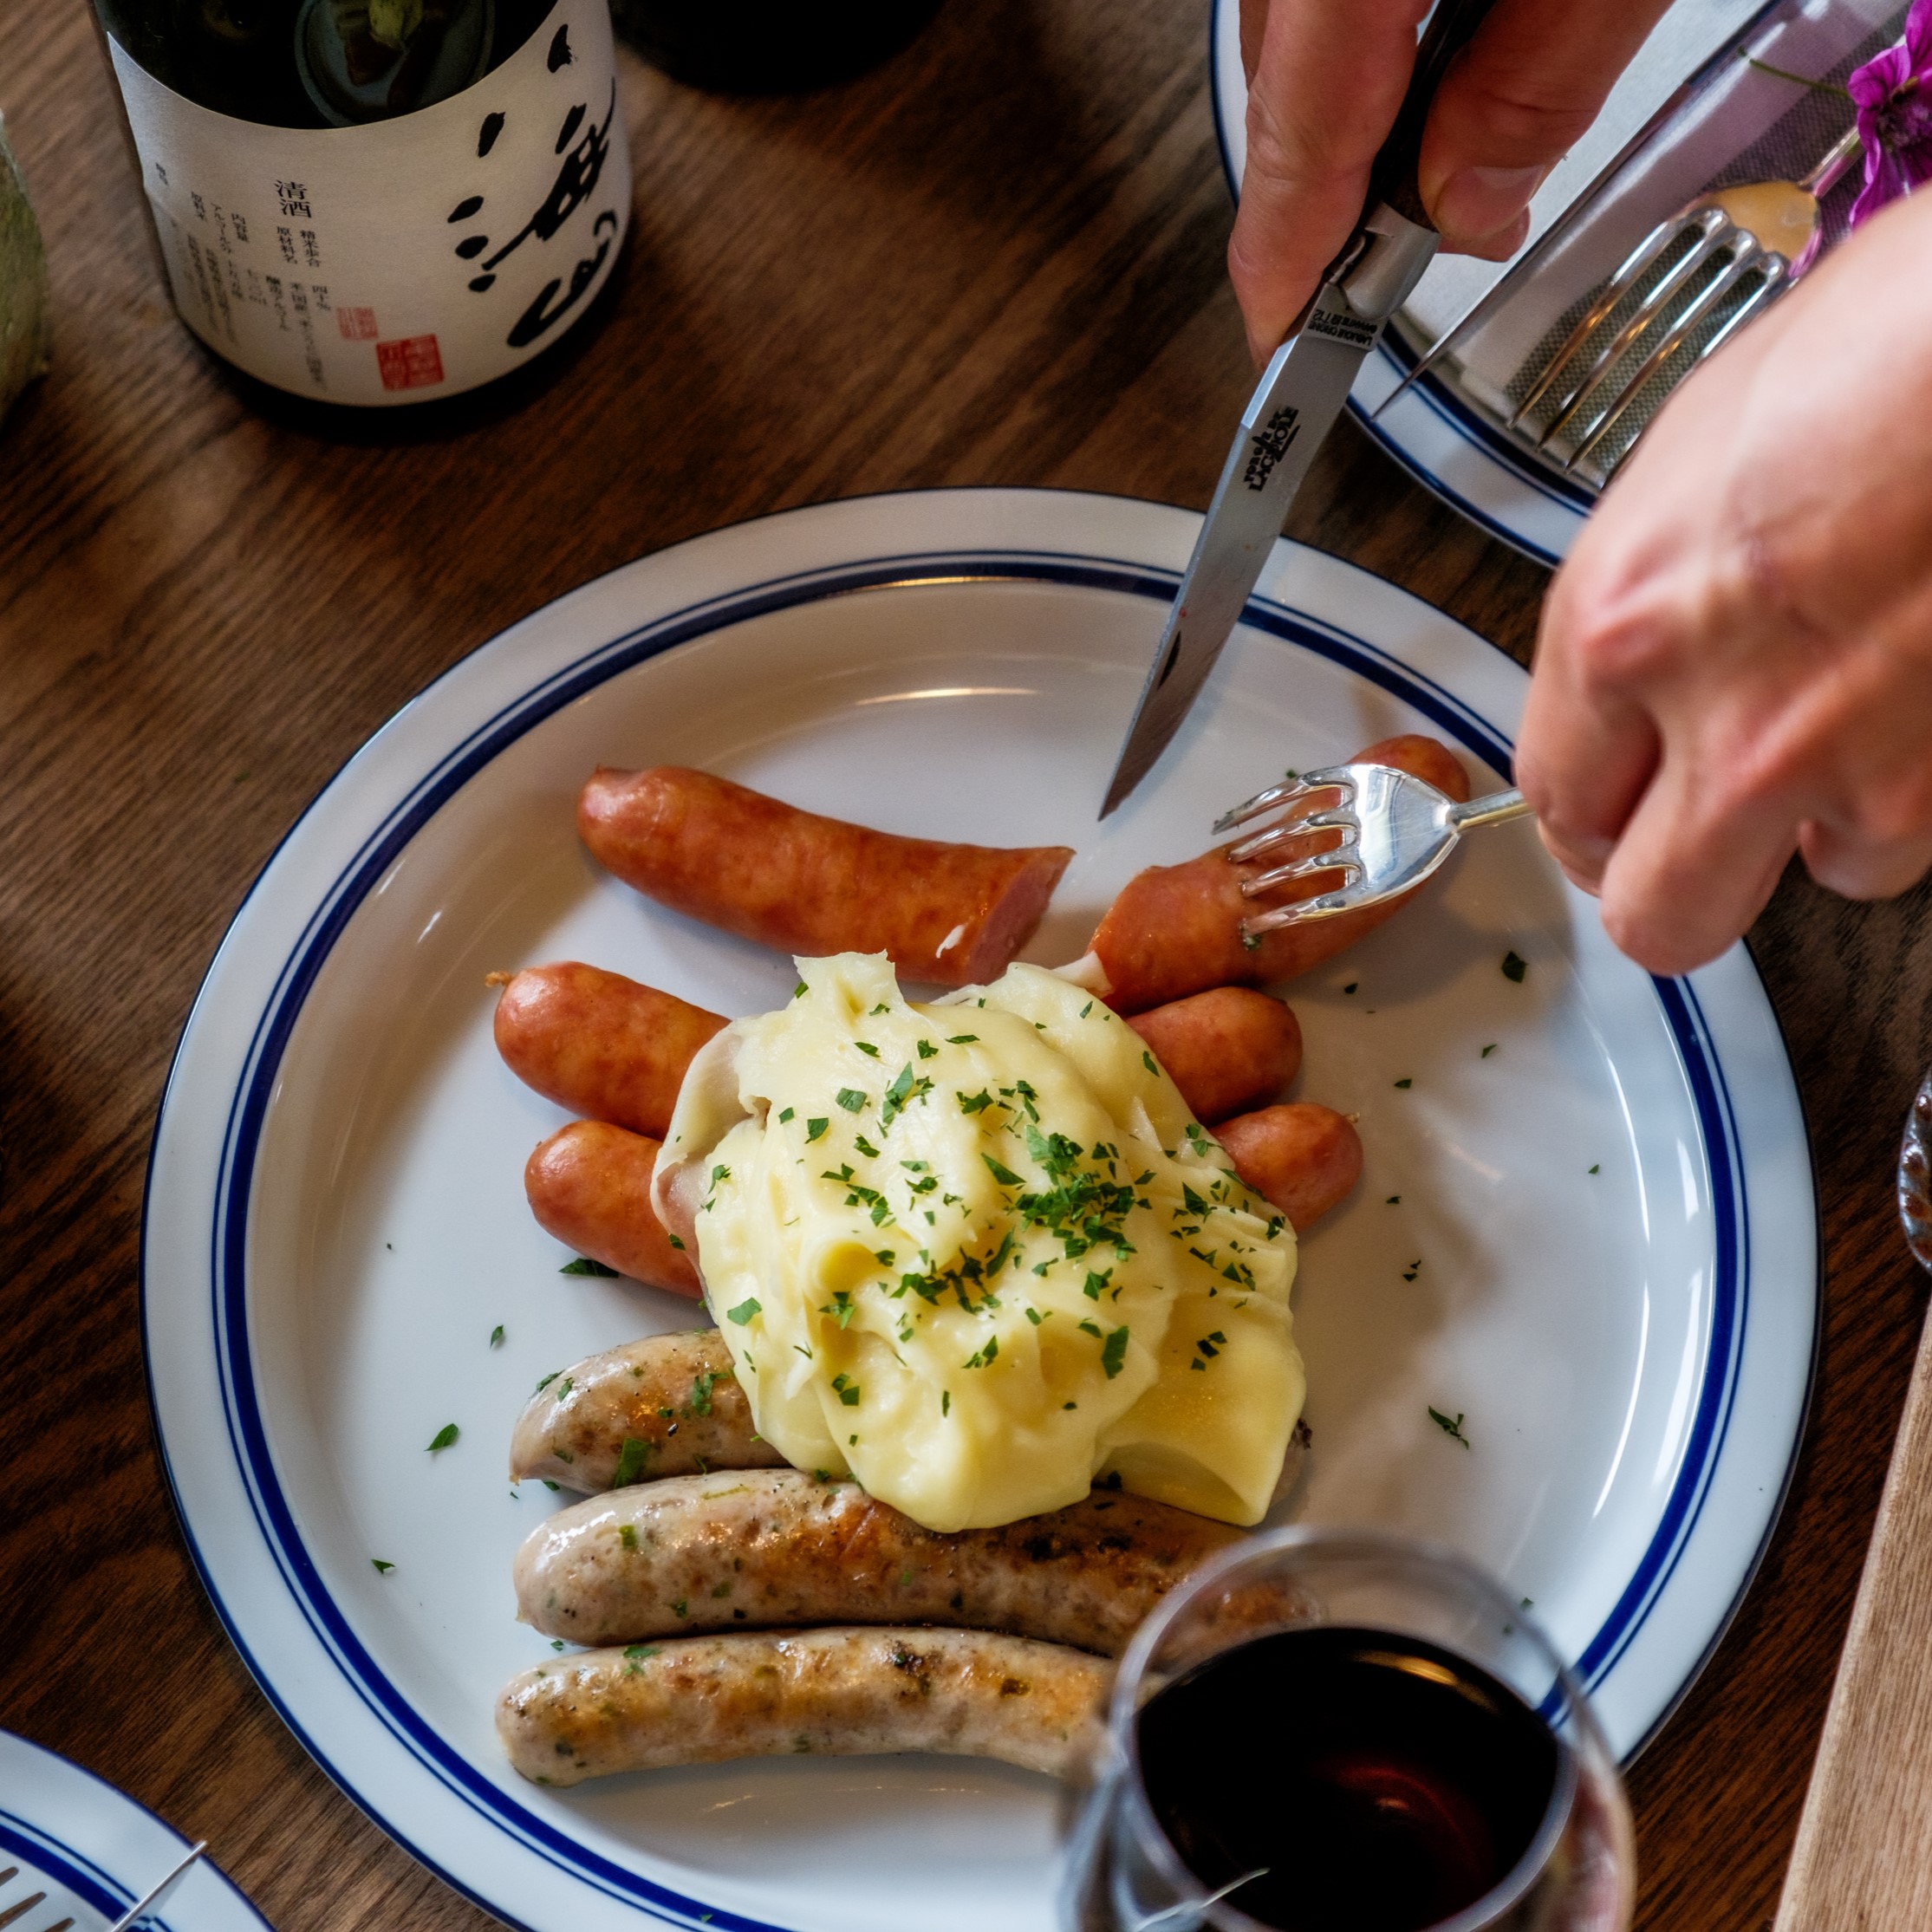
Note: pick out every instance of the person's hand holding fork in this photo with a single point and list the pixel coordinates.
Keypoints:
(1735, 663)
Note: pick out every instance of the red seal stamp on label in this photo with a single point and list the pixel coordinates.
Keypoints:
(357, 325)
(413, 362)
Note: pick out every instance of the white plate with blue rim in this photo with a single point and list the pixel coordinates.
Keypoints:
(90, 1852)
(1433, 431)
(1586, 1235)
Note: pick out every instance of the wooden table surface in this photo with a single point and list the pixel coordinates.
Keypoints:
(999, 260)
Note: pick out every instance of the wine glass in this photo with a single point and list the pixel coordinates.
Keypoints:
(1346, 1731)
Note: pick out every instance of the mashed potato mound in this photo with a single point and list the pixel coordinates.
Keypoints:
(978, 1253)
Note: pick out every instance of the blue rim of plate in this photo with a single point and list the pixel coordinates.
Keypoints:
(1444, 401)
(227, 1235)
(58, 1859)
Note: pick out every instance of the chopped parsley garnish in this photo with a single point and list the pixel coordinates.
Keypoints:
(848, 1390)
(1094, 1283)
(815, 1128)
(1514, 966)
(548, 1484)
(850, 1099)
(1394, 1201)
(1147, 1060)
(867, 1048)
(495, 1335)
(1449, 1427)
(1087, 1009)
(1405, 1081)
(945, 1401)
(584, 1265)
(908, 1088)
(883, 1007)
(1113, 1353)
(1250, 942)
(443, 1438)
(800, 990)
(626, 1534)
(1034, 1316)
(974, 1103)
(865, 1147)
(786, 1115)
(681, 1608)
(719, 1173)
(1352, 985)
(1487, 1050)
(1004, 1175)
(961, 1039)
(630, 1462)
(635, 1655)
(380, 1568)
(1413, 1269)
(744, 1311)
(927, 1050)
(702, 1383)
(980, 1357)
(1595, 1167)
(840, 1309)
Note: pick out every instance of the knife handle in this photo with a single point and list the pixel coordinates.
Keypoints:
(1451, 29)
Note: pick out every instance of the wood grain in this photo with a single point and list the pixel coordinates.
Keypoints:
(1863, 1856)
(999, 259)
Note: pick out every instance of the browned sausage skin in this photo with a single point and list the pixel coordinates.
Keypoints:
(1302, 1157)
(609, 1049)
(1227, 1048)
(600, 1045)
(840, 1692)
(1175, 930)
(667, 1406)
(590, 1185)
(764, 1547)
(953, 915)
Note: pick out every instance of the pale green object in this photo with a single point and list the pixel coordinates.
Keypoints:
(24, 295)
(394, 21)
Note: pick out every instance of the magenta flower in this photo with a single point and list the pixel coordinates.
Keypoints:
(1895, 115)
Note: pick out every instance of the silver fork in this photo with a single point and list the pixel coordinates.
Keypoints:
(19, 1908)
(1764, 229)
(1396, 829)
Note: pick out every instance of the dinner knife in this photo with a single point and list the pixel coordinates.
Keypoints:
(1294, 406)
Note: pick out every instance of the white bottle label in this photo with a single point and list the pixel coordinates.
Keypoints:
(404, 259)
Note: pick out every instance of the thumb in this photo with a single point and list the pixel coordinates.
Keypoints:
(1511, 106)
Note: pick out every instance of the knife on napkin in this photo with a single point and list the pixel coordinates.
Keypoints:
(1294, 406)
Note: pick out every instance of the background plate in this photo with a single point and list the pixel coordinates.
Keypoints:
(1612, 1211)
(93, 1852)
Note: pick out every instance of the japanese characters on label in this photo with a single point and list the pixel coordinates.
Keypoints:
(409, 258)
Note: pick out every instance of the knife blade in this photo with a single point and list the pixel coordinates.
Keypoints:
(1294, 406)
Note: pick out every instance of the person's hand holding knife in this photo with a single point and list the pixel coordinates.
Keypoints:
(1735, 663)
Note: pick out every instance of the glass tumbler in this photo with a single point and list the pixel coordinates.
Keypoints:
(1419, 1609)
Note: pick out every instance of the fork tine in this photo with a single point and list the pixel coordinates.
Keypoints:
(1776, 274)
(1748, 260)
(1718, 234)
(1619, 285)
(1330, 779)
(1324, 906)
(25, 1905)
(1337, 861)
(1339, 818)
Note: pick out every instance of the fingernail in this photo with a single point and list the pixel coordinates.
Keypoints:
(1475, 202)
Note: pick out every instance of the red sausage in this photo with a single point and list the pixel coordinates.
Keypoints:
(1175, 930)
(1303, 1158)
(590, 1186)
(599, 1043)
(949, 914)
(1227, 1048)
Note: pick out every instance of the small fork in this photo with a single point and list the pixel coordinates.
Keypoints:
(1397, 830)
(1769, 229)
(19, 1906)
